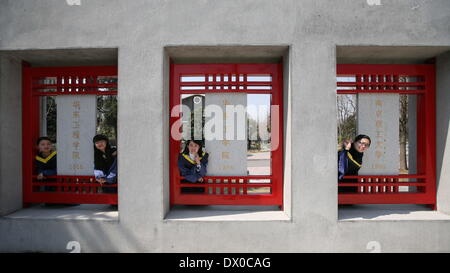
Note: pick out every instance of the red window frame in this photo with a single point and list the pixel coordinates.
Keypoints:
(276, 195)
(384, 189)
(69, 189)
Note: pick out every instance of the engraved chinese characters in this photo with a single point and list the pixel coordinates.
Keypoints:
(227, 146)
(378, 117)
(76, 125)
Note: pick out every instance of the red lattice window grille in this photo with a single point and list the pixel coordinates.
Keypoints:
(418, 80)
(229, 78)
(60, 81)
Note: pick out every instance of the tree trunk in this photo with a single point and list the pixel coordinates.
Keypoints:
(403, 158)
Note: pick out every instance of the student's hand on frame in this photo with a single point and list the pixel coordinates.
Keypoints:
(347, 144)
(200, 179)
(40, 176)
(101, 180)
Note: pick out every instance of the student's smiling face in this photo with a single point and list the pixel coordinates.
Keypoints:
(362, 145)
(45, 146)
(101, 145)
(193, 147)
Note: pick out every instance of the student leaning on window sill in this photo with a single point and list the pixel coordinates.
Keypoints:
(105, 163)
(350, 160)
(192, 164)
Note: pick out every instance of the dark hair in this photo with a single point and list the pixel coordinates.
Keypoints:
(359, 137)
(43, 138)
(103, 161)
(100, 137)
(198, 142)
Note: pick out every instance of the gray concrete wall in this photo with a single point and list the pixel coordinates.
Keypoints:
(10, 135)
(287, 126)
(140, 30)
(442, 135)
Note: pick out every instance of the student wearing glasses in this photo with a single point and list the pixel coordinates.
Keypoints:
(350, 160)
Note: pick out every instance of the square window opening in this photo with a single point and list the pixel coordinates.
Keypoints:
(393, 105)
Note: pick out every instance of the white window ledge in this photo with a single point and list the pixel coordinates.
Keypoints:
(80, 212)
(389, 213)
(226, 213)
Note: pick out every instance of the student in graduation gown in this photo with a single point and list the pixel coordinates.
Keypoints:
(105, 163)
(350, 161)
(45, 161)
(192, 164)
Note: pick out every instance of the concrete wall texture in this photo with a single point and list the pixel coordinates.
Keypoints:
(313, 34)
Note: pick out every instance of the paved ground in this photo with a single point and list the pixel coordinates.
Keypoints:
(258, 156)
(258, 163)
